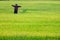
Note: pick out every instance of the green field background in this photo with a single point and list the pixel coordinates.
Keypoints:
(36, 20)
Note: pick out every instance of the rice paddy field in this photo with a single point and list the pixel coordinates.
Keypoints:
(36, 20)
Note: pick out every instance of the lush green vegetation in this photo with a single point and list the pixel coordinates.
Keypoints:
(35, 20)
(29, 38)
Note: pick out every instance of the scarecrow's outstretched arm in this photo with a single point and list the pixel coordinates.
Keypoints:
(13, 5)
(19, 6)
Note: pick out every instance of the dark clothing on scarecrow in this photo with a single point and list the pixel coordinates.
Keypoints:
(16, 8)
